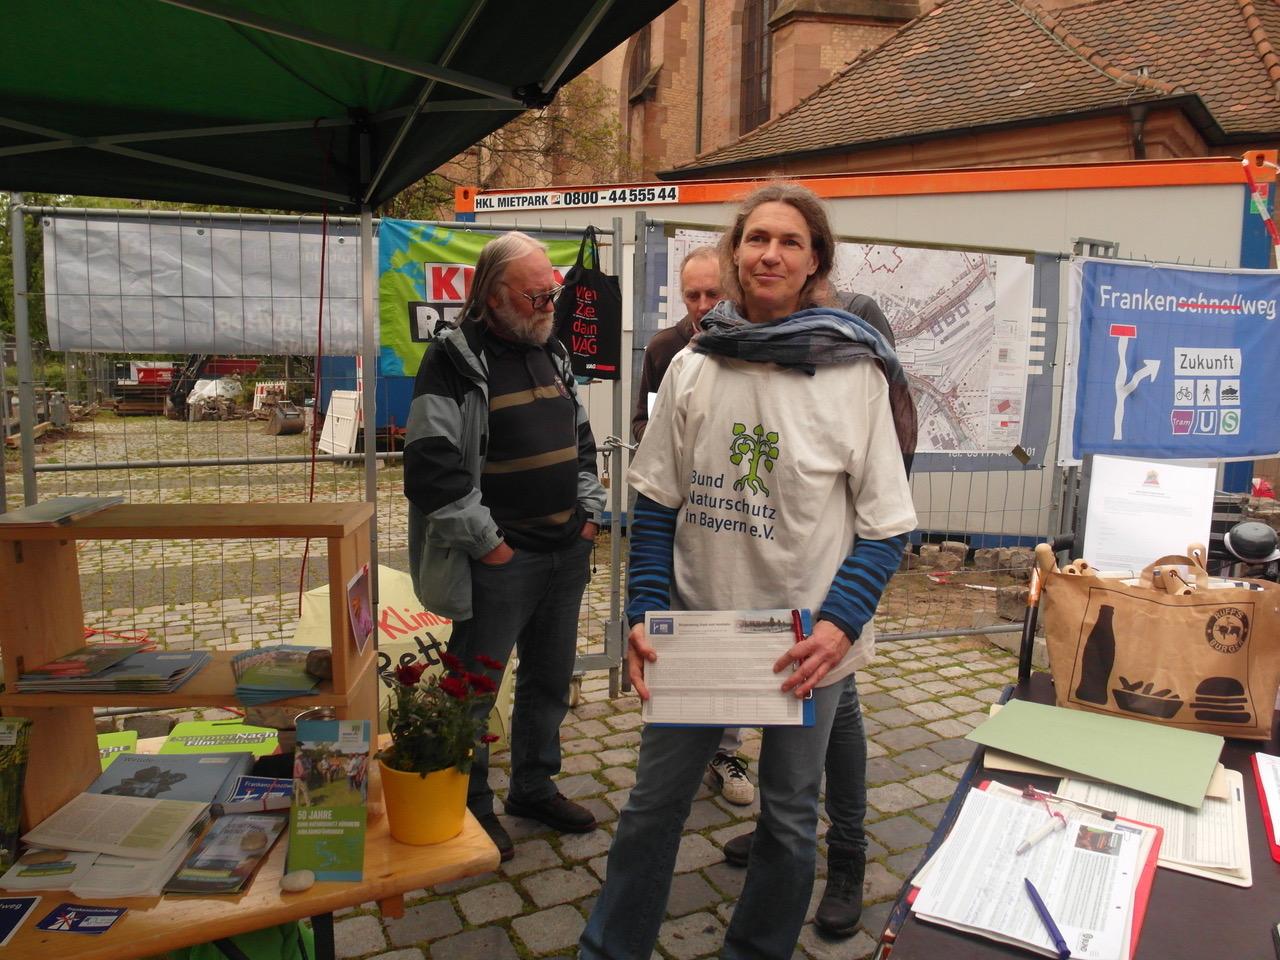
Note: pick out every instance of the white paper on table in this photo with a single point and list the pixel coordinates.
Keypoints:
(1211, 842)
(1269, 775)
(1087, 875)
(1141, 510)
(716, 668)
(133, 827)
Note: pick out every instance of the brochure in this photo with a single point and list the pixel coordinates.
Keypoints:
(13, 910)
(360, 608)
(221, 736)
(57, 510)
(87, 661)
(80, 918)
(228, 855)
(254, 795)
(195, 776)
(715, 668)
(47, 870)
(110, 878)
(14, 734)
(272, 673)
(330, 779)
(111, 745)
(148, 671)
(120, 826)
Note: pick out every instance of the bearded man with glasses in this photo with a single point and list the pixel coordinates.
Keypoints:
(504, 503)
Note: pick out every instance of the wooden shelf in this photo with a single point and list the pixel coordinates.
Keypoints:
(205, 521)
(213, 686)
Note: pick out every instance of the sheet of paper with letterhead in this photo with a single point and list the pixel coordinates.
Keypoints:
(715, 668)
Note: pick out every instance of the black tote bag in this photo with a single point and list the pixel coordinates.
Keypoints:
(589, 316)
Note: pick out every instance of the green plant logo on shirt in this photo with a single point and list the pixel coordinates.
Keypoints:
(761, 447)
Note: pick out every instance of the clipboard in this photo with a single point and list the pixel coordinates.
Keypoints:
(1268, 816)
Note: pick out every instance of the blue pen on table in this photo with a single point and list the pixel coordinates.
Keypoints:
(1059, 942)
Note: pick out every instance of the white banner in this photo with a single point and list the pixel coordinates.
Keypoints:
(164, 284)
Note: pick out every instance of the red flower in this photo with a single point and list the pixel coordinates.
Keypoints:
(408, 674)
(455, 687)
(487, 661)
(490, 738)
(481, 684)
(450, 661)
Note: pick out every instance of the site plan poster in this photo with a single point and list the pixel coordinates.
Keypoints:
(424, 274)
(1172, 363)
(969, 336)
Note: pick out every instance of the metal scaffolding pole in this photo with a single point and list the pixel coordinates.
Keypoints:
(368, 390)
(22, 332)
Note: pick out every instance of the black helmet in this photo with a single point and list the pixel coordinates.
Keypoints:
(1252, 541)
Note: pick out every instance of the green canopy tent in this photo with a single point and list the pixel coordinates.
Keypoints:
(319, 105)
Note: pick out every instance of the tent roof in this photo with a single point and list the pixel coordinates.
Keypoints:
(294, 104)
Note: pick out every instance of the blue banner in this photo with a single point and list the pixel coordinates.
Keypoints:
(1176, 363)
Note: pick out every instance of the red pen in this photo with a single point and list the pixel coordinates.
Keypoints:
(797, 625)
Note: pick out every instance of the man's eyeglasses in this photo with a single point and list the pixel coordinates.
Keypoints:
(540, 300)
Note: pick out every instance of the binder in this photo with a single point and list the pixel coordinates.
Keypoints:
(1268, 815)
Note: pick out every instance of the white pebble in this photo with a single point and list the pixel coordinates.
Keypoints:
(297, 881)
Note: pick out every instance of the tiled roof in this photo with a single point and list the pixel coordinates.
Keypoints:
(1221, 49)
(974, 63)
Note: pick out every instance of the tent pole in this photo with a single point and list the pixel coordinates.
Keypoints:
(368, 390)
(22, 333)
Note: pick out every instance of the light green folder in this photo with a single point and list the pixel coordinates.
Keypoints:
(1162, 761)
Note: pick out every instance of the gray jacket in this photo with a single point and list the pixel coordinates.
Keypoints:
(446, 440)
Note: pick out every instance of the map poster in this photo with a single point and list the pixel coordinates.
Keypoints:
(424, 275)
(1172, 363)
(967, 331)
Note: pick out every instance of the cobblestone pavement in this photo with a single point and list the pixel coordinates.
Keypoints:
(920, 697)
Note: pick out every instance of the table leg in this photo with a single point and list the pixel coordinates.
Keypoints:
(322, 928)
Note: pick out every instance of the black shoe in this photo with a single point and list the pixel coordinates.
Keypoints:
(738, 850)
(498, 834)
(841, 905)
(557, 811)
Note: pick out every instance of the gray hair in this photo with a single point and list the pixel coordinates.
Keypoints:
(491, 267)
(699, 253)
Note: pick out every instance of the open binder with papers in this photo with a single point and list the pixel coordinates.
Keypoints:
(1094, 875)
(715, 668)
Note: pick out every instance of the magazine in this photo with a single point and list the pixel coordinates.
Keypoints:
(147, 671)
(14, 910)
(87, 661)
(221, 736)
(120, 826)
(14, 734)
(57, 511)
(228, 855)
(112, 877)
(330, 779)
(272, 673)
(47, 870)
(194, 776)
(111, 745)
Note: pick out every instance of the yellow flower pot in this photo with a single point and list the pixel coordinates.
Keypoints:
(422, 810)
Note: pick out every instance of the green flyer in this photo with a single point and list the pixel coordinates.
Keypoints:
(330, 779)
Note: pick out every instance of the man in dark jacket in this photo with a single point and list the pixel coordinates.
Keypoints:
(504, 502)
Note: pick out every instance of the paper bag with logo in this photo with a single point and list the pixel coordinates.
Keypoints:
(1206, 659)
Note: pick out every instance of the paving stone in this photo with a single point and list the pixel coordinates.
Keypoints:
(949, 728)
(625, 721)
(954, 750)
(593, 728)
(875, 750)
(819, 946)
(690, 892)
(930, 710)
(583, 846)
(963, 704)
(894, 798)
(604, 813)
(628, 738)
(704, 814)
(696, 852)
(617, 799)
(896, 717)
(357, 936)
(956, 671)
(894, 680)
(884, 770)
(411, 954)
(935, 786)
(580, 763)
(877, 701)
(904, 864)
(556, 929)
(697, 935)
(620, 776)
(932, 813)
(530, 856)
(493, 902)
(466, 883)
(579, 786)
(492, 943)
(920, 760)
(618, 758)
(879, 883)
(560, 886)
(910, 694)
(589, 711)
(904, 738)
(900, 833)
(727, 879)
(423, 921)
(875, 916)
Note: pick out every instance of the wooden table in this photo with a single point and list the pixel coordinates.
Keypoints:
(155, 925)
(1187, 917)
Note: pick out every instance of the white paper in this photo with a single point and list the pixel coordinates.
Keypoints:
(1210, 842)
(121, 826)
(1086, 874)
(1141, 510)
(716, 668)
(1269, 774)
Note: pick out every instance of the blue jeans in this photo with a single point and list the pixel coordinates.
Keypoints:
(531, 603)
(846, 798)
(770, 912)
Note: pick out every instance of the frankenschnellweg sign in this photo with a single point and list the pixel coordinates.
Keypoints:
(1174, 363)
